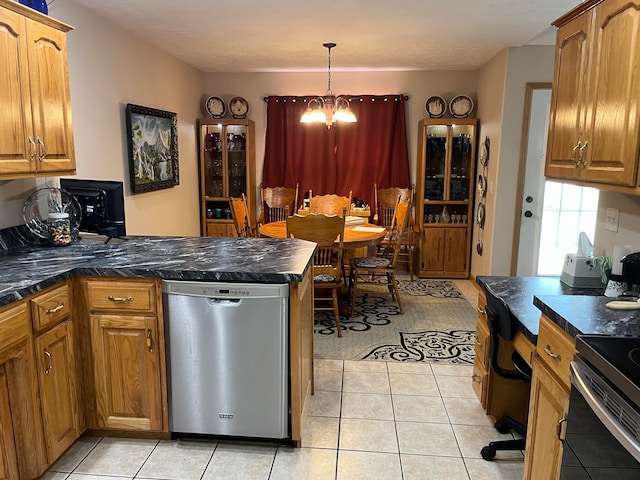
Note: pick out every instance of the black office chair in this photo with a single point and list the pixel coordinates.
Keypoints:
(502, 326)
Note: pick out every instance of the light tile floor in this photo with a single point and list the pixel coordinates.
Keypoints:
(367, 420)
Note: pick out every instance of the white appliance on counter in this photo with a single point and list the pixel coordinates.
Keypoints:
(581, 272)
(227, 358)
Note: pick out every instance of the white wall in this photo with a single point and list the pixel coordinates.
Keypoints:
(629, 226)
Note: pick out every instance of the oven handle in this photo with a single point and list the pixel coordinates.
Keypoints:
(579, 381)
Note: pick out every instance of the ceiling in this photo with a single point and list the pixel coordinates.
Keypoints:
(287, 35)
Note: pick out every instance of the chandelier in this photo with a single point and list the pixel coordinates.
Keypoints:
(329, 108)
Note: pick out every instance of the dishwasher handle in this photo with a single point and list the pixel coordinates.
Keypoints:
(230, 302)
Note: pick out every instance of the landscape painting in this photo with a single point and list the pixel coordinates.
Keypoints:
(153, 148)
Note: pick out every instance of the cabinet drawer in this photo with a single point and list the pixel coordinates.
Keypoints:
(118, 296)
(479, 381)
(50, 308)
(14, 327)
(556, 349)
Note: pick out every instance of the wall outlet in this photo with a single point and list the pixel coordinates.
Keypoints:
(612, 220)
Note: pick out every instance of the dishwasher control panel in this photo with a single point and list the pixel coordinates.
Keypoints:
(225, 290)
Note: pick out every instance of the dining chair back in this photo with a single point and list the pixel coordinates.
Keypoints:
(330, 204)
(240, 215)
(384, 204)
(367, 269)
(278, 203)
(328, 233)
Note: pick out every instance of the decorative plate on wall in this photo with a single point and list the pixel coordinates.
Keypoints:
(436, 106)
(461, 106)
(483, 155)
(238, 107)
(216, 107)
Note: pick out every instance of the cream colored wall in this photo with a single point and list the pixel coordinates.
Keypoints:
(491, 87)
(502, 87)
(629, 226)
(417, 85)
(109, 68)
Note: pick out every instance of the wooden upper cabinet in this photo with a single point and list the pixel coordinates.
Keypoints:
(595, 122)
(36, 136)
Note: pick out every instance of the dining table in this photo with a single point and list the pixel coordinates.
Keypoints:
(355, 236)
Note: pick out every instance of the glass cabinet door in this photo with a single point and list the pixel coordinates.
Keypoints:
(461, 137)
(237, 159)
(435, 161)
(213, 174)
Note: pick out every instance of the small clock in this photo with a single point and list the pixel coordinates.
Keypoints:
(238, 107)
(216, 107)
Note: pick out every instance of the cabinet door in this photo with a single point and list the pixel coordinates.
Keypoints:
(8, 459)
(57, 378)
(456, 251)
(568, 99)
(50, 98)
(17, 152)
(433, 249)
(126, 372)
(614, 99)
(547, 411)
(220, 230)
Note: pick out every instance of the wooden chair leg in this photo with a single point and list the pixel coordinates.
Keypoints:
(394, 286)
(336, 310)
(354, 287)
(410, 252)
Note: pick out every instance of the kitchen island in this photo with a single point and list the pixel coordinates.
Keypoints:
(82, 335)
(549, 315)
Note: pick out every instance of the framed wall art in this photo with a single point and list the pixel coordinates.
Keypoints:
(152, 138)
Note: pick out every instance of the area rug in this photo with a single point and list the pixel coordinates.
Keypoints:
(438, 325)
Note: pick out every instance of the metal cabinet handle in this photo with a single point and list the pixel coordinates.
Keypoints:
(49, 311)
(548, 351)
(34, 150)
(43, 150)
(476, 379)
(120, 299)
(582, 162)
(481, 310)
(575, 154)
(49, 361)
(149, 344)
(478, 342)
(561, 428)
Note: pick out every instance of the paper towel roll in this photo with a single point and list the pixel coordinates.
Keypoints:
(619, 252)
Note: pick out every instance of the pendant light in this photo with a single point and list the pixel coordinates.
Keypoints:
(329, 108)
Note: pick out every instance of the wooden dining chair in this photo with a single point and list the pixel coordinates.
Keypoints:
(384, 204)
(330, 204)
(327, 231)
(367, 269)
(240, 215)
(277, 203)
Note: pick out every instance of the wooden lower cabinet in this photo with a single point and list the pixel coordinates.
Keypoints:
(220, 229)
(126, 372)
(8, 457)
(445, 253)
(57, 379)
(126, 376)
(549, 407)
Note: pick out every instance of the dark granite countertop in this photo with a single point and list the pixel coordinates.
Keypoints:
(519, 293)
(29, 269)
(588, 314)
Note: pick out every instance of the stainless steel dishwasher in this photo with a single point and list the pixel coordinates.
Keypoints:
(227, 358)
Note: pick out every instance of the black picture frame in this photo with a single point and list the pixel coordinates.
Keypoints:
(152, 140)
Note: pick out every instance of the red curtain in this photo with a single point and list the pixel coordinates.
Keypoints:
(346, 156)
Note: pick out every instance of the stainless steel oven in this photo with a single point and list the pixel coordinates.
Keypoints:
(603, 425)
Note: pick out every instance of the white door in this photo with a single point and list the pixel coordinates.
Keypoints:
(533, 191)
(553, 214)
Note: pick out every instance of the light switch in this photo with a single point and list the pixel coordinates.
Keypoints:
(611, 222)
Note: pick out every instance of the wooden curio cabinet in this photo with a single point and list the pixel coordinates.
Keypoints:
(444, 188)
(227, 163)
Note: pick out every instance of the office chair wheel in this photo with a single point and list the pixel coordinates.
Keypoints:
(488, 452)
(502, 426)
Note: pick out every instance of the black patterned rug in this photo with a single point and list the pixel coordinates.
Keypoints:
(438, 325)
